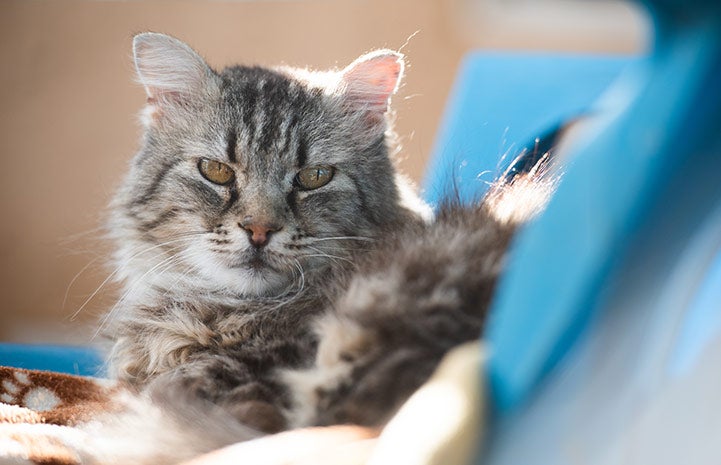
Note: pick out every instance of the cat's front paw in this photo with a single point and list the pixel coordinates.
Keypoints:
(259, 415)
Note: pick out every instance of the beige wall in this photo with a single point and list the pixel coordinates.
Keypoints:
(68, 123)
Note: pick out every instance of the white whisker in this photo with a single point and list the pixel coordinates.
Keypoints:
(325, 255)
(75, 278)
(132, 288)
(186, 236)
(342, 238)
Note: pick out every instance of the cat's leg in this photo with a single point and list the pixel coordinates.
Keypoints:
(397, 319)
(225, 384)
(358, 380)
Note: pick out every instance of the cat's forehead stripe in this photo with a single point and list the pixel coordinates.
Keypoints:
(232, 143)
(269, 107)
(302, 153)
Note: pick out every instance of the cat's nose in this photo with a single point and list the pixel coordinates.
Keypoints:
(259, 232)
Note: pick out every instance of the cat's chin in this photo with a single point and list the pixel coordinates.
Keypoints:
(251, 280)
(242, 276)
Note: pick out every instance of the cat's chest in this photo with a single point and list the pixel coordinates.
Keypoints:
(236, 331)
(170, 335)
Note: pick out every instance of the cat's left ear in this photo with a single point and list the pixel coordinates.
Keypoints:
(370, 81)
(173, 74)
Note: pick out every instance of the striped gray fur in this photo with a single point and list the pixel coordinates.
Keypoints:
(228, 289)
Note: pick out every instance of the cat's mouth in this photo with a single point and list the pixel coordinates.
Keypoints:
(258, 261)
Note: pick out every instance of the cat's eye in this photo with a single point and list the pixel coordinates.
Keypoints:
(314, 177)
(215, 171)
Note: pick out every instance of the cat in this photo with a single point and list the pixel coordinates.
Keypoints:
(277, 270)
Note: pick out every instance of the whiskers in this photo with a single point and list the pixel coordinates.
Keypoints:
(120, 268)
(336, 253)
(72, 282)
(301, 275)
(169, 268)
(160, 268)
(342, 238)
(323, 254)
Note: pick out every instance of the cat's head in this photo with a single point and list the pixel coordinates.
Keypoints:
(251, 177)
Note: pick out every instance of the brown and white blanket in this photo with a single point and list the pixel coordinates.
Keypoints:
(40, 411)
(42, 414)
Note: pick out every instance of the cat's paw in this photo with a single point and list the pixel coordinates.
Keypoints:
(259, 415)
(343, 346)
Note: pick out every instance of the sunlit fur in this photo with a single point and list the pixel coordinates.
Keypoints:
(345, 310)
(179, 235)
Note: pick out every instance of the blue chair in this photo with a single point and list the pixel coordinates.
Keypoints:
(605, 334)
(500, 103)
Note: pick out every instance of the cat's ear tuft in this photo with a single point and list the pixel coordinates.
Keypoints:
(370, 81)
(170, 70)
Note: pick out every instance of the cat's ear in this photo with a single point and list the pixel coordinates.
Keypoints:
(171, 72)
(370, 81)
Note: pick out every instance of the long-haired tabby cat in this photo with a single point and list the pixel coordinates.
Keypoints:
(278, 271)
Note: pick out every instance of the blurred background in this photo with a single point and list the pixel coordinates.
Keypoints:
(69, 105)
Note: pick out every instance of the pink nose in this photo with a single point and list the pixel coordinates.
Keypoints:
(258, 233)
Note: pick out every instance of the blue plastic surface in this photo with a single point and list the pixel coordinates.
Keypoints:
(641, 384)
(606, 333)
(647, 181)
(500, 103)
(82, 361)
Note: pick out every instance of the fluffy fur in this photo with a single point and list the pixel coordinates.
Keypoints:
(421, 292)
(182, 251)
(352, 296)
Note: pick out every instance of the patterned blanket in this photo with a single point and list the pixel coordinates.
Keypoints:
(40, 413)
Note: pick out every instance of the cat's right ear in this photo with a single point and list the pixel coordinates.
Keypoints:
(173, 74)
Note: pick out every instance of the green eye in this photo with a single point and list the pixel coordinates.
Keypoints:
(314, 177)
(215, 171)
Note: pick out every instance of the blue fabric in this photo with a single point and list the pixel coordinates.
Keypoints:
(82, 361)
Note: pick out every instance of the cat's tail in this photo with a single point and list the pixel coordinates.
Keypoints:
(161, 428)
(515, 199)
